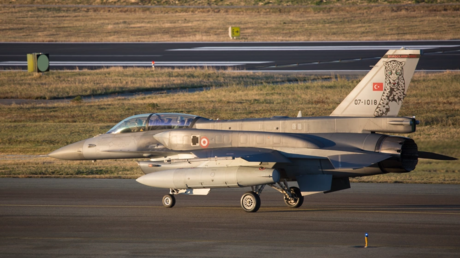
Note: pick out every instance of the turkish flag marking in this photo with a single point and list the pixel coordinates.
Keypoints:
(377, 86)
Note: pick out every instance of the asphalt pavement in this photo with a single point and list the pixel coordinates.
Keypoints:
(121, 218)
(252, 56)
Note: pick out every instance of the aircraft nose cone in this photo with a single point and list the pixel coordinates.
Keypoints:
(72, 151)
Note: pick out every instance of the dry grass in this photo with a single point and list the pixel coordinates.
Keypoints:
(433, 98)
(60, 84)
(25, 166)
(351, 22)
(224, 3)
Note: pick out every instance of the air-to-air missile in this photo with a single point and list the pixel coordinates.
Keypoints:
(190, 154)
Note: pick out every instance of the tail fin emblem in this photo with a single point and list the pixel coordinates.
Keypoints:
(389, 80)
(395, 87)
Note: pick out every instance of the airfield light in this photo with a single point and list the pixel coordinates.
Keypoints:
(153, 65)
(365, 239)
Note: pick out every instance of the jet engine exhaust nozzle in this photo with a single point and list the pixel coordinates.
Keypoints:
(404, 152)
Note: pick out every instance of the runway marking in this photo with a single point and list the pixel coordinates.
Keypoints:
(268, 209)
(139, 63)
(91, 55)
(75, 206)
(309, 48)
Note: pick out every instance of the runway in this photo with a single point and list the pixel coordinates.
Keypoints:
(121, 218)
(257, 56)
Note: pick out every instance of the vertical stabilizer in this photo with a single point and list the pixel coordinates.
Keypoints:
(382, 91)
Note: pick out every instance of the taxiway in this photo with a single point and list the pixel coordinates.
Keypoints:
(121, 218)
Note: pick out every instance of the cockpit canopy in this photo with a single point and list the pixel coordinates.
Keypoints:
(156, 121)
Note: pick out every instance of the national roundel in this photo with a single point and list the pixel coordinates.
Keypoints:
(204, 142)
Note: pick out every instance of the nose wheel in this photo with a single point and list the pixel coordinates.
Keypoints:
(168, 201)
(250, 202)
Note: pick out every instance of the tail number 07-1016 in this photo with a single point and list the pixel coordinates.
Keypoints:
(366, 102)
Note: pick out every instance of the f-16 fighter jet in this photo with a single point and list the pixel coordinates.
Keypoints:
(189, 154)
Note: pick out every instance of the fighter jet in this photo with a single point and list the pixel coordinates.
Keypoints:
(189, 154)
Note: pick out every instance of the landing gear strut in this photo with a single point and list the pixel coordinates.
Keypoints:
(292, 195)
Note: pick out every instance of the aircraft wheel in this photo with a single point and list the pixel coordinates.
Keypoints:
(169, 201)
(297, 199)
(250, 202)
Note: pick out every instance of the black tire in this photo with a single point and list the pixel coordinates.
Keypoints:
(297, 199)
(168, 201)
(250, 202)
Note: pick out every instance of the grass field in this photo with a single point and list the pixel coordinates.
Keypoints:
(39, 129)
(228, 3)
(60, 84)
(259, 21)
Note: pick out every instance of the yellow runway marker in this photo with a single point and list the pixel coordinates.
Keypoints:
(365, 239)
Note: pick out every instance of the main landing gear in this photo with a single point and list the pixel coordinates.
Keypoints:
(292, 195)
(250, 201)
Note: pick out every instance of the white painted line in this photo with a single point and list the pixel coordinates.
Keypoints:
(309, 48)
(137, 63)
(95, 55)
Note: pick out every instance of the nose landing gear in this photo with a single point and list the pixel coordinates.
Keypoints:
(168, 201)
(250, 202)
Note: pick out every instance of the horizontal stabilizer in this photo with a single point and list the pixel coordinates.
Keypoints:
(431, 155)
(355, 161)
